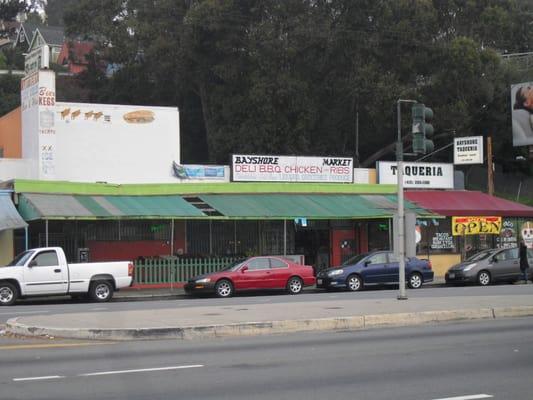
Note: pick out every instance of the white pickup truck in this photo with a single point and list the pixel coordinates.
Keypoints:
(45, 271)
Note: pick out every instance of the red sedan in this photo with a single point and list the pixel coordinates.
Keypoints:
(254, 273)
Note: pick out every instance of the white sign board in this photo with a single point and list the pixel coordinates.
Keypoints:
(468, 150)
(116, 143)
(417, 175)
(260, 168)
(83, 142)
(37, 59)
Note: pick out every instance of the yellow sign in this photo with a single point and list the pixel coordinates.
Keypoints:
(476, 225)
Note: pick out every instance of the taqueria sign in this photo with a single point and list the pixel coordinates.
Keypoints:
(476, 225)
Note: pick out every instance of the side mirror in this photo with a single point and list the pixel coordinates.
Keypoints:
(367, 263)
(494, 259)
(32, 263)
(244, 269)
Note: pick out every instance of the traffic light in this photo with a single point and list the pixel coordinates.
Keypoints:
(422, 130)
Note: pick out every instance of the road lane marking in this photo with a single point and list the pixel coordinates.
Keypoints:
(130, 371)
(50, 345)
(38, 378)
(471, 397)
(23, 312)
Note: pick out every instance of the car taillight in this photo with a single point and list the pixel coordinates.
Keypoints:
(429, 264)
(131, 269)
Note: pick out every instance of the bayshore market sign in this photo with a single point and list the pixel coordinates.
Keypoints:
(417, 175)
(261, 168)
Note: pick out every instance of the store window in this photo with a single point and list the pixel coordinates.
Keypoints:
(435, 237)
(378, 235)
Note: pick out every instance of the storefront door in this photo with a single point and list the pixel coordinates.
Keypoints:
(343, 245)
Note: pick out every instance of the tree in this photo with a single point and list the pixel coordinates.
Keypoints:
(287, 77)
(55, 9)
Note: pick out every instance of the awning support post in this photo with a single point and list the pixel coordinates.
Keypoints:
(284, 237)
(235, 237)
(46, 233)
(26, 238)
(172, 237)
(210, 237)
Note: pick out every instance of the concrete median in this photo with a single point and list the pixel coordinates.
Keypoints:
(24, 326)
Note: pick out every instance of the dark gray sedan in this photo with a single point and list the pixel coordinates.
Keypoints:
(489, 266)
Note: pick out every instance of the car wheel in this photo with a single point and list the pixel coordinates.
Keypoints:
(101, 291)
(354, 283)
(295, 285)
(8, 294)
(224, 288)
(483, 278)
(415, 280)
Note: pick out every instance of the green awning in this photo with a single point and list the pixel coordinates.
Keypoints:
(314, 206)
(9, 217)
(33, 206)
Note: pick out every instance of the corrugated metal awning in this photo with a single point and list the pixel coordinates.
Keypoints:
(9, 216)
(315, 206)
(34, 206)
(467, 203)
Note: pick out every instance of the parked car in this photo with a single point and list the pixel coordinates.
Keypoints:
(376, 268)
(489, 266)
(254, 273)
(45, 271)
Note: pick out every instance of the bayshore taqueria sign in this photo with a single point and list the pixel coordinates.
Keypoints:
(476, 225)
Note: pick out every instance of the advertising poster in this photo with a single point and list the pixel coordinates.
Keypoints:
(522, 113)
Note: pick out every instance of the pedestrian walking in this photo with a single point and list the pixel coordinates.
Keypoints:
(524, 264)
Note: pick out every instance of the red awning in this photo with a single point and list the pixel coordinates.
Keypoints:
(466, 203)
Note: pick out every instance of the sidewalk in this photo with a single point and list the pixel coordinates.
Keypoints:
(147, 292)
(179, 321)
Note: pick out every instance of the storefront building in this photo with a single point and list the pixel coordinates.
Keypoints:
(474, 221)
(325, 223)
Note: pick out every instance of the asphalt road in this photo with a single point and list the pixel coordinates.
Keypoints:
(475, 360)
(43, 306)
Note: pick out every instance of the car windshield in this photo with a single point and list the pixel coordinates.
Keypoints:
(354, 259)
(20, 259)
(234, 266)
(481, 255)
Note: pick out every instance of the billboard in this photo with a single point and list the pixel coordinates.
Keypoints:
(522, 113)
(417, 175)
(261, 168)
(114, 143)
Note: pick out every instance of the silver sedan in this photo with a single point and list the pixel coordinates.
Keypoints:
(489, 266)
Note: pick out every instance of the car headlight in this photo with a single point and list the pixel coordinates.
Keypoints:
(469, 267)
(335, 272)
(204, 280)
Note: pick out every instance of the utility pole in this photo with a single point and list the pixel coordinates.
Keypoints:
(490, 167)
(357, 134)
(401, 214)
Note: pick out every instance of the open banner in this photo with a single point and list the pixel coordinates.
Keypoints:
(476, 225)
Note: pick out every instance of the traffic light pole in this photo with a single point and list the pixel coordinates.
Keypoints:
(401, 214)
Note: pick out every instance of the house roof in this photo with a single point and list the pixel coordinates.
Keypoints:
(74, 52)
(52, 35)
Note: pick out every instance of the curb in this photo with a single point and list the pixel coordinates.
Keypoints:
(271, 327)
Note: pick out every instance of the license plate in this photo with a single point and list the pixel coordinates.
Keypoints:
(319, 281)
(451, 275)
